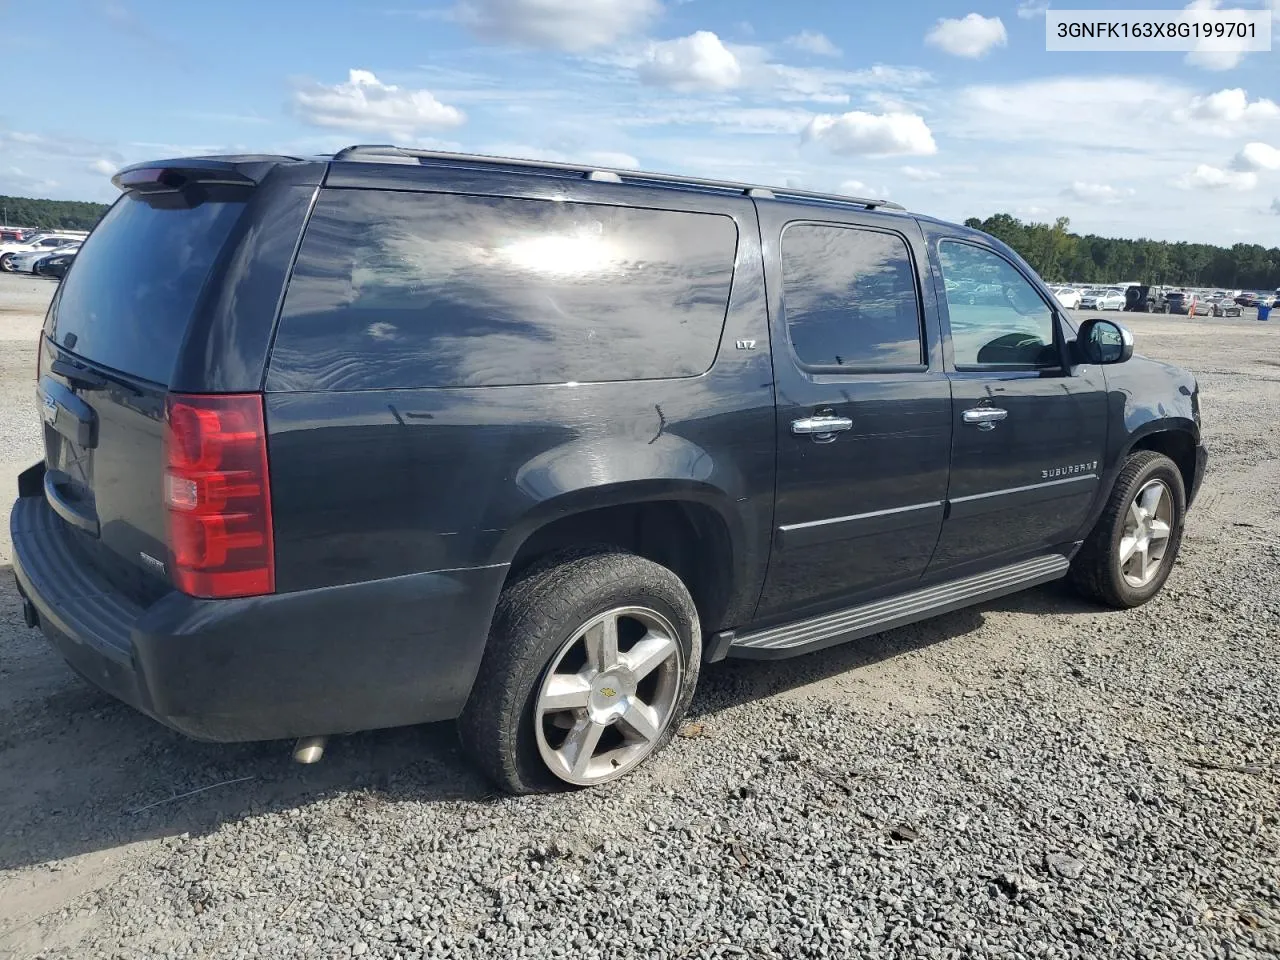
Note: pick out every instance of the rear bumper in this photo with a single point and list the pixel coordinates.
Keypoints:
(339, 659)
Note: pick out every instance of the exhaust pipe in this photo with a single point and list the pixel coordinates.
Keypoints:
(30, 615)
(309, 749)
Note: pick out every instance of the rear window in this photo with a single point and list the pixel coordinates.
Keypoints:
(127, 301)
(849, 297)
(396, 289)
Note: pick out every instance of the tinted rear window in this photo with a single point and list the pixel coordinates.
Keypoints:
(396, 289)
(849, 297)
(127, 301)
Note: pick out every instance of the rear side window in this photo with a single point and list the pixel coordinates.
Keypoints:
(396, 289)
(127, 302)
(849, 297)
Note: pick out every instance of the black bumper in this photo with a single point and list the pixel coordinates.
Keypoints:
(354, 657)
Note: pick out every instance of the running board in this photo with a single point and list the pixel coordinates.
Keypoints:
(849, 624)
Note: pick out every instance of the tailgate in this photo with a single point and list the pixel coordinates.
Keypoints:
(111, 340)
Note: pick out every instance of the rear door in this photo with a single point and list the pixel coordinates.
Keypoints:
(863, 406)
(112, 337)
(1029, 429)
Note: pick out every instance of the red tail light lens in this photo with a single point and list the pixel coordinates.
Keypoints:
(217, 494)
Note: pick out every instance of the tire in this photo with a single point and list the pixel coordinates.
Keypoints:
(6, 263)
(541, 628)
(1097, 571)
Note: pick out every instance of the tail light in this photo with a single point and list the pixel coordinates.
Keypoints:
(217, 495)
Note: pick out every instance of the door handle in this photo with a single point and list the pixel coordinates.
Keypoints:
(985, 417)
(822, 429)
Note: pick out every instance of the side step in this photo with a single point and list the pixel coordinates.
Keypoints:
(815, 633)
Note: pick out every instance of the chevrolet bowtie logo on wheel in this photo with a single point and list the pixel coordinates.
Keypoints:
(609, 691)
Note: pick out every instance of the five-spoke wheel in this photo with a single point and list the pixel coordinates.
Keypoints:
(608, 695)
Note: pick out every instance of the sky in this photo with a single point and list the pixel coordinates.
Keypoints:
(954, 109)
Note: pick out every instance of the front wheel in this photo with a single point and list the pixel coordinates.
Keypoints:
(6, 263)
(592, 659)
(1129, 554)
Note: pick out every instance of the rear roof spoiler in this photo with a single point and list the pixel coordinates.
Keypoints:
(161, 176)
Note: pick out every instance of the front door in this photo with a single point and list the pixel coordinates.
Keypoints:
(863, 409)
(1029, 429)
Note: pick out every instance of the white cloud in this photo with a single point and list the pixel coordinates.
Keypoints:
(973, 36)
(1231, 106)
(1257, 156)
(856, 188)
(1096, 192)
(559, 24)
(1068, 111)
(611, 158)
(919, 174)
(1205, 177)
(696, 62)
(810, 41)
(872, 134)
(1030, 9)
(365, 103)
(104, 167)
(1212, 59)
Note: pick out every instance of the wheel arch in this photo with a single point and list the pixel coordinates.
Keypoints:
(687, 526)
(1176, 439)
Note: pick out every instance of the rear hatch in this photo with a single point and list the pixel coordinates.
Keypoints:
(111, 339)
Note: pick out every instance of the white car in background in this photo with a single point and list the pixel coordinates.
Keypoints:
(26, 262)
(1069, 297)
(48, 242)
(1102, 299)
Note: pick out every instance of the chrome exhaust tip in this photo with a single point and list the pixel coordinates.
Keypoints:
(309, 749)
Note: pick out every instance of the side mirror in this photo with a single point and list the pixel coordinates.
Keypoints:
(1104, 341)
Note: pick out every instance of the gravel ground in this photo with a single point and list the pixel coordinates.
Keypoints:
(1031, 778)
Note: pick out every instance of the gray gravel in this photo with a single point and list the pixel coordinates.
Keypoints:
(1033, 778)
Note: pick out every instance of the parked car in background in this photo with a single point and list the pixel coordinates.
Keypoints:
(1226, 307)
(1247, 299)
(55, 265)
(273, 503)
(1069, 297)
(26, 262)
(1089, 297)
(45, 241)
(1104, 299)
(1184, 302)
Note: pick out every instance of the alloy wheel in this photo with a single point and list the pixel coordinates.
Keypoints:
(609, 695)
(1148, 525)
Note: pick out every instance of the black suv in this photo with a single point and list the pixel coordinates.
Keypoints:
(399, 436)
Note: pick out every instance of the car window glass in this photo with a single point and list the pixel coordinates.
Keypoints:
(399, 289)
(997, 317)
(849, 297)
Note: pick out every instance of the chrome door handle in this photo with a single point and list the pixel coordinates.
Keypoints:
(822, 429)
(985, 417)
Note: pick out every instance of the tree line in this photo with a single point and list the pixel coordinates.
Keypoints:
(1061, 256)
(50, 214)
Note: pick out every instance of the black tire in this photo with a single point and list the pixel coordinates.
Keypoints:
(535, 616)
(1095, 571)
(6, 263)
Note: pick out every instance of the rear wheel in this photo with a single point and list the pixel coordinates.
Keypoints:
(6, 262)
(592, 659)
(1129, 554)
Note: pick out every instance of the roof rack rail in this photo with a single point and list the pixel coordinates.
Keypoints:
(391, 153)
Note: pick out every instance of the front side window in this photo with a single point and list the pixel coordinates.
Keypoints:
(998, 319)
(849, 297)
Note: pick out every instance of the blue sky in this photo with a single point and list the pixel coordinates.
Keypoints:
(954, 109)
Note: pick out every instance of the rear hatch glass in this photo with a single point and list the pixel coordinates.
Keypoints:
(115, 329)
(127, 302)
